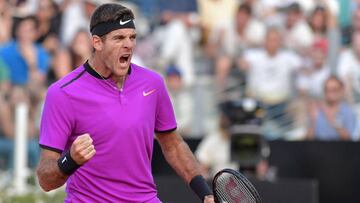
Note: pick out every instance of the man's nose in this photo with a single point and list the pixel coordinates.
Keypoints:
(129, 43)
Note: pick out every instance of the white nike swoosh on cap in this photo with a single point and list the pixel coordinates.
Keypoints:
(124, 22)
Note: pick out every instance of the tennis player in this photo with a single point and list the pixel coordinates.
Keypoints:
(99, 121)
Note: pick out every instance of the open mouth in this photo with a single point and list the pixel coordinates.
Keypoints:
(124, 58)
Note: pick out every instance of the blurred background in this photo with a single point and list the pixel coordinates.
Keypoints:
(267, 87)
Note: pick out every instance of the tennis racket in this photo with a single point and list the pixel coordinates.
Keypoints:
(230, 186)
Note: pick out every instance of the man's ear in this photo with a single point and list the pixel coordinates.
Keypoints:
(97, 43)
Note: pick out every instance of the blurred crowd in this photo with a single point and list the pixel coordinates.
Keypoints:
(300, 59)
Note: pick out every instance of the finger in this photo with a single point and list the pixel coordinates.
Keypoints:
(209, 199)
(89, 149)
(85, 150)
(82, 138)
(85, 144)
(90, 155)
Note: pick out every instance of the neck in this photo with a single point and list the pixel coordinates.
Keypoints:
(332, 104)
(119, 80)
(100, 67)
(271, 53)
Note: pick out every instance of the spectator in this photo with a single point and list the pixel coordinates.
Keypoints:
(312, 77)
(270, 73)
(298, 35)
(6, 127)
(76, 16)
(49, 18)
(323, 23)
(213, 13)
(220, 140)
(177, 44)
(27, 63)
(332, 119)
(349, 71)
(6, 21)
(80, 48)
(181, 100)
(79, 51)
(310, 83)
(347, 31)
(318, 22)
(233, 38)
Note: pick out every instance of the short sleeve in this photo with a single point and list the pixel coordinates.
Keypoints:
(165, 118)
(57, 120)
(294, 60)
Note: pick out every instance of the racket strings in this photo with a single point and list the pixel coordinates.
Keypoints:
(231, 189)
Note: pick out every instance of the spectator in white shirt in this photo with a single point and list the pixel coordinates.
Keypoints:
(349, 70)
(299, 35)
(270, 73)
(232, 38)
(312, 77)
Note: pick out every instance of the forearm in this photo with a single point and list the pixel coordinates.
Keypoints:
(343, 133)
(181, 159)
(49, 175)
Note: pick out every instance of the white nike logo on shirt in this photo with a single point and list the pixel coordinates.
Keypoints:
(148, 93)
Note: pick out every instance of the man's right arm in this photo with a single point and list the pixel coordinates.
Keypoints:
(48, 172)
(50, 175)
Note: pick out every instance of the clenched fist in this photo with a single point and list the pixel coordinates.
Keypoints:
(209, 199)
(82, 149)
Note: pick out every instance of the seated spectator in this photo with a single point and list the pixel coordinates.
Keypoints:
(232, 38)
(333, 118)
(176, 44)
(213, 152)
(312, 77)
(270, 73)
(325, 27)
(65, 59)
(213, 13)
(49, 18)
(349, 72)
(27, 63)
(298, 34)
(6, 21)
(318, 22)
(181, 100)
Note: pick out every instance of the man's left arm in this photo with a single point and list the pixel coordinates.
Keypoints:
(178, 154)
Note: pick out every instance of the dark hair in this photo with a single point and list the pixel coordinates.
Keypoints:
(319, 9)
(18, 21)
(245, 8)
(294, 7)
(110, 12)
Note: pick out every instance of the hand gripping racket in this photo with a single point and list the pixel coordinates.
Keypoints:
(230, 186)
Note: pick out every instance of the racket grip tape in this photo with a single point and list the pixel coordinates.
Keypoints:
(199, 185)
(67, 164)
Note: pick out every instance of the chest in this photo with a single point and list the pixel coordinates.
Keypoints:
(264, 66)
(116, 116)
